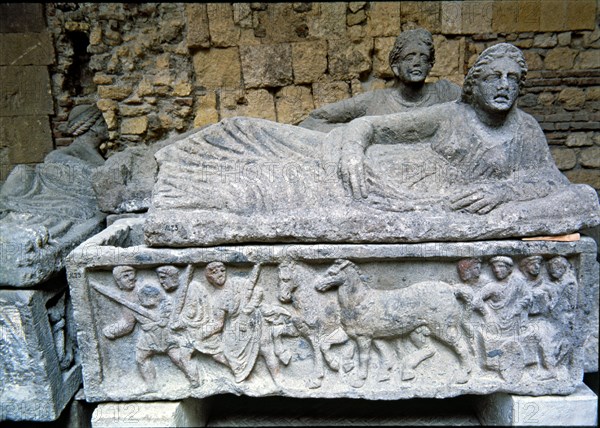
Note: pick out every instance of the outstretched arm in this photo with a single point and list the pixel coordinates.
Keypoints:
(336, 114)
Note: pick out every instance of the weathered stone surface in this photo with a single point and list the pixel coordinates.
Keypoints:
(585, 176)
(329, 92)
(560, 58)
(572, 98)
(504, 16)
(47, 210)
(476, 16)
(223, 31)
(588, 60)
(134, 125)
(553, 15)
(449, 56)
(206, 112)
(303, 320)
(257, 103)
(185, 413)
(383, 19)
(198, 35)
(364, 189)
(293, 103)
(590, 157)
(564, 158)
(267, 65)
(26, 49)
(218, 68)
(577, 409)
(579, 139)
(328, 21)
(26, 139)
(348, 60)
(381, 62)
(528, 15)
(114, 92)
(39, 369)
(309, 60)
(581, 15)
(22, 18)
(25, 91)
(545, 40)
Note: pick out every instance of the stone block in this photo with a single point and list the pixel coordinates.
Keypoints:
(381, 57)
(22, 18)
(424, 14)
(198, 34)
(590, 157)
(504, 16)
(528, 15)
(257, 103)
(534, 60)
(267, 65)
(449, 56)
(348, 60)
(581, 15)
(26, 139)
(281, 24)
(383, 19)
(476, 16)
(206, 112)
(293, 104)
(560, 58)
(114, 92)
(223, 31)
(451, 17)
(309, 60)
(26, 49)
(592, 94)
(270, 346)
(185, 413)
(553, 15)
(218, 68)
(39, 371)
(134, 125)
(588, 60)
(545, 40)
(329, 92)
(25, 91)
(356, 18)
(579, 139)
(571, 98)
(564, 158)
(328, 21)
(577, 409)
(585, 176)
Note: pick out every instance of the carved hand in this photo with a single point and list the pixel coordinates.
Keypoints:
(352, 170)
(479, 200)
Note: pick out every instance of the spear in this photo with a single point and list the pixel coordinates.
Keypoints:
(185, 283)
(111, 294)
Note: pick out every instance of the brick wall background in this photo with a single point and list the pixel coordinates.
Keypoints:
(164, 68)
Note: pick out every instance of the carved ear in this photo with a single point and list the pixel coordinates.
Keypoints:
(395, 70)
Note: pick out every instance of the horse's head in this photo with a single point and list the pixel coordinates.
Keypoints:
(335, 275)
(287, 285)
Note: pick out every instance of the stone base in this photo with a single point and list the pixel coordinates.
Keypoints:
(39, 371)
(360, 321)
(577, 409)
(186, 413)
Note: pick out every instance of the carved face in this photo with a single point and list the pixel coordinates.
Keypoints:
(532, 266)
(501, 270)
(216, 274)
(125, 279)
(149, 296)
(168, 280)
(557, 268)
(469, 271)
(414, 64)
(286, 285)
(497, 87)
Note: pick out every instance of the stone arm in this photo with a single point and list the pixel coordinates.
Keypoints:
(120, 328)
(216, 325)
(252, 297)
(354, 139)
(330, 116)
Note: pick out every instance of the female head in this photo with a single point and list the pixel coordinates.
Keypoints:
(413, 55)
(494, 81)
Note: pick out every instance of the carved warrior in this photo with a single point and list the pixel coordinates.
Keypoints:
(411, 60)
(46, 210)
(499, 326)
(470, 169)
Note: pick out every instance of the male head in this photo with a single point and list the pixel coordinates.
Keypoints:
(149, 296)
(216, 274)
(502, 266)
(469, 269)
(557, 267)
(531, 266)
(168, 276)
(412, 56)
(124, 277)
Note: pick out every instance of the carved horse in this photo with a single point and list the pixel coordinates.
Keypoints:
(419, 311)
(315, 318)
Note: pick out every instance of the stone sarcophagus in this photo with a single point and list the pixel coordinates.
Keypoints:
(380, 321)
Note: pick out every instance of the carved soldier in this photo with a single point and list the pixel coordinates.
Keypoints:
(531, 267)
(411, 60)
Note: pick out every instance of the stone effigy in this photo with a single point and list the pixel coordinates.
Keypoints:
(49, 209)
(411, 60)
(382, 321)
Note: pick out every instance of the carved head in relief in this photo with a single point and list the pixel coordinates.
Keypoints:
(502, 266)
(149, 296)
(216, 274)
(124, 277)
(557, 267)
(469, 269)
(494, 81)
(168, 277)
(531, 265)
(412, 56)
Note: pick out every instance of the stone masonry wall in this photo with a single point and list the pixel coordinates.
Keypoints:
(158, 69)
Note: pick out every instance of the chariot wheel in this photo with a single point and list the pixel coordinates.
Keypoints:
(512, 362)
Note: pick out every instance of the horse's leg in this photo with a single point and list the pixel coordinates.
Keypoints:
(316, 378)
(420, 338)
(344, 362)
(457, 343)
(364, 349)
(383, 348)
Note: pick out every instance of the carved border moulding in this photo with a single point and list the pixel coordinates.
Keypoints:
(39, 369)
(384, 321)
